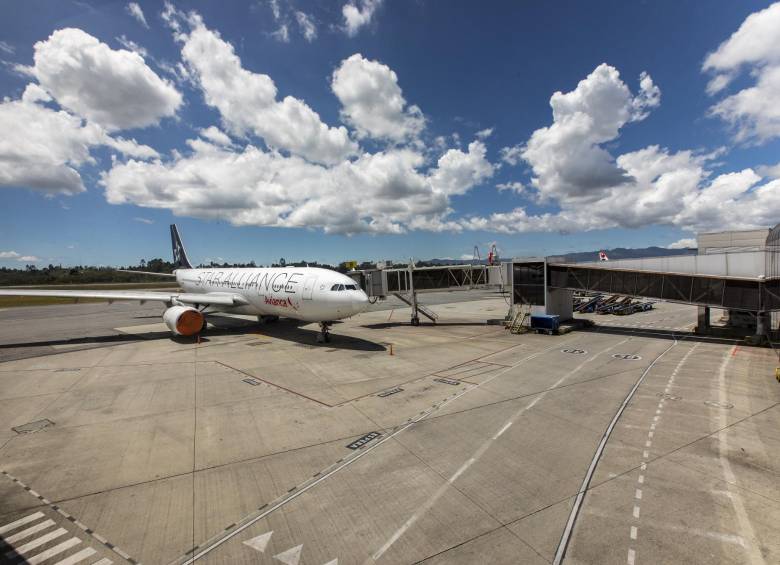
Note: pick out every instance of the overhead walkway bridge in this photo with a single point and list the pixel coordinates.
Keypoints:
(737, 281)
(406, 283)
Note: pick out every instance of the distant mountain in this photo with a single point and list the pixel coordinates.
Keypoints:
(581, 256)
(622, 253)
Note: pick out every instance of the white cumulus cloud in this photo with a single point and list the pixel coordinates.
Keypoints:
(754, 111)
(588, 188)
(247, 100)
(13, 255)
(684, 243)
(112, 88)
(357, 14)
(385, 192)
(372, 101)
(48, 145)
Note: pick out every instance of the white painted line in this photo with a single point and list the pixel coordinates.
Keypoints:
(217, 541)
(643, 466)
(460, 471)
(564, 542)
(655, 418)
(641, 479)
(638, 494)
(80, 556)
(10, 540)
(652, 426)
(645, 454)
(636, 511)
(633, 532)
(52, 551)
(104, 561)
(26, 548)
(20, 522)
(477, 455)
(754, 554)
(648, 443)
(650, 433)
(631, 557)
(502, 430)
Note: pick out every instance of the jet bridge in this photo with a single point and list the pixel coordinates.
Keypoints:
(744, 281)
(406, 283)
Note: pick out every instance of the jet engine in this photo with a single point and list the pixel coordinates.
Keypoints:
(183, 320)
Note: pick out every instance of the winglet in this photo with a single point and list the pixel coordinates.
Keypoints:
(180, 259)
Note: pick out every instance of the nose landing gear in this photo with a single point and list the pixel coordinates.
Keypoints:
(324, 335)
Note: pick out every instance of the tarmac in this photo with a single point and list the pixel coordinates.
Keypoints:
(631, 442)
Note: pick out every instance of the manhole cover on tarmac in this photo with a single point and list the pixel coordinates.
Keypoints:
(717, 404)
(35, 426)
(626, 357)
(574, 351)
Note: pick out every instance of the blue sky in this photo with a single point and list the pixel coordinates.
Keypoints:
(397, 94)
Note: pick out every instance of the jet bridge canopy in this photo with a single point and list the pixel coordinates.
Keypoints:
(383, 282)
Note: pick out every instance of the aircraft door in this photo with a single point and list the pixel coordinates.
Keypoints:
(308, 287)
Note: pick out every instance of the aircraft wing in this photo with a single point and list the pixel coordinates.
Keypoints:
(210, 299)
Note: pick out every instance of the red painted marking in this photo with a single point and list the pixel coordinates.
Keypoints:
(734, 350)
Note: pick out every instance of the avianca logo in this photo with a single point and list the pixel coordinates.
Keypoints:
(283, 302)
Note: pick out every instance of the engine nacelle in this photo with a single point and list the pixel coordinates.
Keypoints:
(183, 320)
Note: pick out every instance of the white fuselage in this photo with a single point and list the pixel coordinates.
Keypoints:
(303, 293)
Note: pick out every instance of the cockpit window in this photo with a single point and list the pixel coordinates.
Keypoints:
(337, 287)
(350, 286)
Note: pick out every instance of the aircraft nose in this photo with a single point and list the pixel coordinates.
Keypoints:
(359, 302)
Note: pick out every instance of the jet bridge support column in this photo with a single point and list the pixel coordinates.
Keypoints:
(703, 320)
(413, 295)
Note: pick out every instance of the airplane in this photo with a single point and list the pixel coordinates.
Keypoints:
(309, 294)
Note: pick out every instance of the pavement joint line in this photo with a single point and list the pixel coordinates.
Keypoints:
(342, 463)
(477, 455)
(560, 552)
(72, 519)
(645, 455)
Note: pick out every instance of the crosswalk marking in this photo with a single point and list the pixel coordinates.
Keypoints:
(20, 522)
(28, 532)
(80, 556)
(51, 552)
(104, 561)
(28, 547)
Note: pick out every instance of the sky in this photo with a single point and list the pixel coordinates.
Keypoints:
(368, 130)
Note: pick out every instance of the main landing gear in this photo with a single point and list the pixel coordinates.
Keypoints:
(324, 335)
